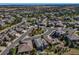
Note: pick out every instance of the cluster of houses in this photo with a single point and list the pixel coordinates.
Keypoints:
(6, 19)
(27, 45)
(44, 20)
(47, 19)
(13, 33)
(67, 34)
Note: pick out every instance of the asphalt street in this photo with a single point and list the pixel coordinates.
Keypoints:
(14, 43)
(6, 51)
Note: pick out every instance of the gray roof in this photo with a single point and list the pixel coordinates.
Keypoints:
(73, 37)
(25, 40)
(38, 42)
(12, 33)
(44, 42)
(19, 29)
(6, 37)
(2, 23)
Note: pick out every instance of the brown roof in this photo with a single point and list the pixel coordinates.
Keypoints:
(25, 47)
(51, 40)
(48, 39)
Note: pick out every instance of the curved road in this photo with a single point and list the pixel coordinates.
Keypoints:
(6, 51)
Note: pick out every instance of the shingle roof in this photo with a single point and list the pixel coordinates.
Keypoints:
(26, 47)
(38, 42)
(73, 37)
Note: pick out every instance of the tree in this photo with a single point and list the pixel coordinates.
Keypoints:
(42, 36)
(4, 44)
(0, 50)
(13, 51)
(33, 52)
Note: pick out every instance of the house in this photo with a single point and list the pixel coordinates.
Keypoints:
(12, 33)
(76, 25)
(58, 24)
(25, 47)
(51, 40)
(8, 20)
(50, 23)
(57, 33)
(67, 19)
(2, 23)
(45, 43)
(1, 42)
(73, 37)
(40, 24)
(39, 44)
(24, 26)
(2, 36)
(73, 40)
(8, 15)
(70, 23)
(25, 40)
(76, 18)
(45, 21)
(6, 38)
(1, 39)
(19, 30)
(70, 30)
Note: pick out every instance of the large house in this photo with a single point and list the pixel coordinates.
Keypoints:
(73, 40)
(57, 33)
(25, 47)
(51, 40)
(40, 44)
(12, 33)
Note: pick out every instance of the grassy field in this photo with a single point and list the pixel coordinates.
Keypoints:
(73, 51)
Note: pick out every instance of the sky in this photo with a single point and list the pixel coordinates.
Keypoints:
(39, 1)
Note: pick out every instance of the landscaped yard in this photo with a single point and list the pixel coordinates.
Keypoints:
(73, 51)
(77, 33)
(37, 31)
(17, 20)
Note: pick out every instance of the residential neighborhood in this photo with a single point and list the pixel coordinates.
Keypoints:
(39, 30)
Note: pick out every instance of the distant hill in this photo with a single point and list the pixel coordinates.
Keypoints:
(35, 4)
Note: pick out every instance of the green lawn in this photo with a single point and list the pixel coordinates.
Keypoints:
(77, 33)
(73, 51)
(37, 31)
